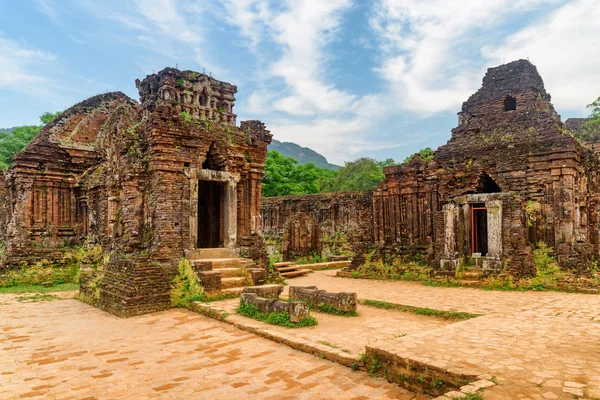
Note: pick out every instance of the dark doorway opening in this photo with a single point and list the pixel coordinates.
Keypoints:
(510, 103)
(479, 239)
(487, 185)
(210, 214)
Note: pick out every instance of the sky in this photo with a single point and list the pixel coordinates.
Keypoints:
(347, 78)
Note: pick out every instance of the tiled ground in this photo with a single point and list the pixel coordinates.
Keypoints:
(65, 349)
(540, 345)
(351, 334)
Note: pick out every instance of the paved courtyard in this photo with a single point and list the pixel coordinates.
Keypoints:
(537, 345)
(65, 349)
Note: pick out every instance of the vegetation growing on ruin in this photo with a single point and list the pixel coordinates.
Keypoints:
(425, 155)
(15, 139)
(63, 271)
(419, 310)
(327, 309)
(185, 289)
(281, 319)
(589, 130)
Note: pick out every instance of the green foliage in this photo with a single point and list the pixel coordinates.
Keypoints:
(284, 176)
(430, 312)
(186, 289)
(374, 366)
(378, 269)
(186, 116)
(547, 270)
(325, 308)
(14, 141)
(313, 258)
(589, 130)
(61, 287)
(65, 270)
(281, 319)
(425, 155)
(361, 174)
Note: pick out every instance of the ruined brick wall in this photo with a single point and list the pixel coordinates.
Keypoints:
(186, 134)
(45, 207)
(345, 218)
(509, 140)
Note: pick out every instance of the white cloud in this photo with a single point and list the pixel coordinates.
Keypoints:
(19, 63)
(429, 47)
(319, 115)
(564, 48)
(50, 9)
(164, 14)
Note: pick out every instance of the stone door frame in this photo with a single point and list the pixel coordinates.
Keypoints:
(459, 210)
(229, 204)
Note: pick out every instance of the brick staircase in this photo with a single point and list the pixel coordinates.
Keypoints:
(471, 277)
(290, 269)
(224, 270)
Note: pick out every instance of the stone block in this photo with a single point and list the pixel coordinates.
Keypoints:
(211, 280)
(265, 291)
(258, 276)
(342, 301)
(297, 310)
(47, 284)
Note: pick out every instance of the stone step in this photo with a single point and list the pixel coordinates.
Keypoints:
(198, 254)
(287, 269)
(227, 283)
(284, 264)
(293, 274)
(231, 272)
(217, 263)
(471, 275)
(235, 290)
(327, 265)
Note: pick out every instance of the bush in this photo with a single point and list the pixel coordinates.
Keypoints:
(186, 289)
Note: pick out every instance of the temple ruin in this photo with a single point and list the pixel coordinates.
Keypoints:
(510, 177)
(150, 183)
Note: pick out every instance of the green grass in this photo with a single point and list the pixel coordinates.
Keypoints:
(61, 287)
(281, 319)
(34, 298)
(419, 310)
(325, 308)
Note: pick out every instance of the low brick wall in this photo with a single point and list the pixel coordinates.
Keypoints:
(297, 310)
(342, 301)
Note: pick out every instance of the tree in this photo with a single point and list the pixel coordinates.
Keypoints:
(425, 154)
(361, 174)
(14, 141)
(283, 176)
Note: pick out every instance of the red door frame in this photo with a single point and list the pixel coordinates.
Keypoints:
(474, 236)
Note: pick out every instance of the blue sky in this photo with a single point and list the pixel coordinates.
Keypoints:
(380, 78)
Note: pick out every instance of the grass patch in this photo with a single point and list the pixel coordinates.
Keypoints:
(34, 298)
(419, 310)
(325, 308)
(281, 319)
(61, 287)
(218, 297)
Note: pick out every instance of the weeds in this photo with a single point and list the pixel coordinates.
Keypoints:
(419, 310)
(37, 297)
(281, 319)
(186, 289)
(325, 308)
(61, 287)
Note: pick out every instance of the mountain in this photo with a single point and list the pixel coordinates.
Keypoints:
(304, 155)
(6, 130)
